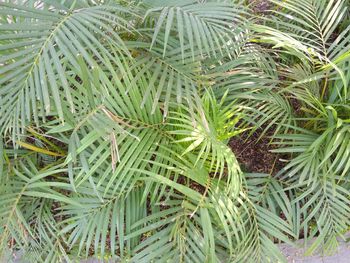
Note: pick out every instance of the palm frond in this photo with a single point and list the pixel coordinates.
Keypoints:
(206, 27)
(19, 190)
(40, 47)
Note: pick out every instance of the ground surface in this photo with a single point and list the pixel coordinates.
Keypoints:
(254, 154)
(259, 6)
(295, 255)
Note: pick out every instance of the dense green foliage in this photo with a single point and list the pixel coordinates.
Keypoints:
(115, 118)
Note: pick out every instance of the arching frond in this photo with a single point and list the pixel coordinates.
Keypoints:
(102, 222)
(206, 26)
(19, 189)
(40, 47)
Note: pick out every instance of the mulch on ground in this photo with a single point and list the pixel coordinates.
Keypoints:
(254, 154)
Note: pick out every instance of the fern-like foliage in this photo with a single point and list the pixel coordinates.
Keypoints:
(115, 118)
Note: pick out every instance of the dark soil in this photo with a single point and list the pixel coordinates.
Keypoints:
(296, 105)
(260, 6)
(254, 155)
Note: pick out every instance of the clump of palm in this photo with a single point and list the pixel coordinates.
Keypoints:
(115, 118)
(314, 76)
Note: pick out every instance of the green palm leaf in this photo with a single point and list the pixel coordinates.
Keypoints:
(34, 79)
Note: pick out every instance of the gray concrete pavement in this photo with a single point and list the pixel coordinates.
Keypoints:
(296, 255)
